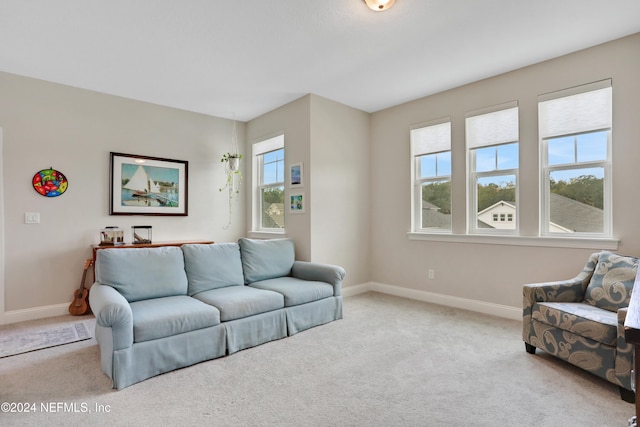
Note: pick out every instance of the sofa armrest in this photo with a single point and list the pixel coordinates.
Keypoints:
(113, 311)
(327, 273)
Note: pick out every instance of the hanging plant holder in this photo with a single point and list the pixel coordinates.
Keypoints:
(234, 179)
(234, 163)
(232, 171)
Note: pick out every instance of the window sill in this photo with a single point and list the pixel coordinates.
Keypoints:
(266, 234)
(550, 242)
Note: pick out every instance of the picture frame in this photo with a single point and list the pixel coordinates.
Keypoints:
(144, 185)
(297, 203)
(296, 175)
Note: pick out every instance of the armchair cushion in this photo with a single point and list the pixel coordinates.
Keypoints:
(581, 319)
(612, 281)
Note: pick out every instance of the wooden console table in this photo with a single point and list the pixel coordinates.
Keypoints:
(96, 248)
(632, 336)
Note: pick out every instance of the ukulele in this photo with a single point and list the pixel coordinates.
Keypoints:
(79, 305)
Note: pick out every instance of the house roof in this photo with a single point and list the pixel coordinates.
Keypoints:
(565, 212)
(274, 216)
(240, 59)
(574, 215)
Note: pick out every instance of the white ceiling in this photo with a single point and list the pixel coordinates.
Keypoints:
(243, 58)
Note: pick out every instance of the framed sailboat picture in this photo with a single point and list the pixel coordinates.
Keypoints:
(142, 185)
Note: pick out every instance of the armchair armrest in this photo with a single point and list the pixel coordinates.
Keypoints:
(624, 353)
(113, 311)
(331, 274)
(571, 290)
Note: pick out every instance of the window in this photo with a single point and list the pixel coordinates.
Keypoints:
(431, 164)
(492, 144)
(268, 172)
(575, 142)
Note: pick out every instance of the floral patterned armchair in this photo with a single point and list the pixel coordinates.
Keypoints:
(581, 320)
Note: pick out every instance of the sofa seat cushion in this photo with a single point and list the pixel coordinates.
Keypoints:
(582, 319)
(236, 302)
(612, 281)
(296, 291)
(212, 266)
(142, 273)
(164, 317)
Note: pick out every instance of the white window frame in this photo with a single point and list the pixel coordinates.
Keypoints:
(507, 132)
(259, 149)
(582, 127)
(440, 144)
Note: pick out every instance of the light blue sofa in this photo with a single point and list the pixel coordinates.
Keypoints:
(163, 308)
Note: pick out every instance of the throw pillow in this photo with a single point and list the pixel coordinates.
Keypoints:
(612, 281)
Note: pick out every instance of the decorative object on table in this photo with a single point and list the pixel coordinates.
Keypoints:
(141, 234)
(142, 185)
(297, 202)
(295, 175)
(232, 171)
(50, 182)
(80, 305)
(111, 236)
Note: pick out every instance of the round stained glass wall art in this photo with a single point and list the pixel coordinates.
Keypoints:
(50, 182)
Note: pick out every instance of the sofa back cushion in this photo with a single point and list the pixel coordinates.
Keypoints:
(212, 266)
(266, 259)
(612, 281)
(142, 273)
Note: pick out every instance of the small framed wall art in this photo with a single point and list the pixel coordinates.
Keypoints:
(297, 203)
(295, 175)
(142, 185)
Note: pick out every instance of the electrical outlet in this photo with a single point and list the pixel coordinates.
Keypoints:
(431, 273)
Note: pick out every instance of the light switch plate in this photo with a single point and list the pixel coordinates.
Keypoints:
(32, 218)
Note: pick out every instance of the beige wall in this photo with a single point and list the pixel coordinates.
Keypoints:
(488, 272)
(292, 120)
(332, 142)
(356, 180)
(74, 130)
(340, 180)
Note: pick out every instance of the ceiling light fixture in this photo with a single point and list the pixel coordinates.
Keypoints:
(379, 5)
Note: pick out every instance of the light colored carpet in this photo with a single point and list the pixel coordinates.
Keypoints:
(23, 340)
(389, 362)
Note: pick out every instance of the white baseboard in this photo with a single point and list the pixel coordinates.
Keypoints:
(514, 313)
(350, 291)
(35, 313)
(505, 311)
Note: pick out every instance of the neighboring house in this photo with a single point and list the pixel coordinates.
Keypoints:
(567, 216)
(274, 216)
(501, 216)
(571, 216)
(433, 218)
